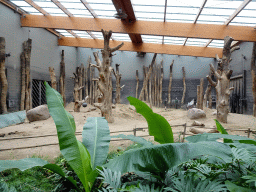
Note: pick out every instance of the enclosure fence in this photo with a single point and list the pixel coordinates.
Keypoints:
(134, 131)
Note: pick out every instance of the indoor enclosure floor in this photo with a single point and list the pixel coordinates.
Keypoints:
(126, 119)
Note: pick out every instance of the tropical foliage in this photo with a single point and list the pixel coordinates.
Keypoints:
(201, 164)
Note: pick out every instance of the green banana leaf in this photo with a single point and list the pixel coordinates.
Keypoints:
(235, 188)
(22, 164)
(133, 138)
(216, 136)
(158, 126)
(73, 151)
(221, 129)
(160, 158)
(27, 163)
(96, 138)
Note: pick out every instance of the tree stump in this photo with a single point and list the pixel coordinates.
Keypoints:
(201, 96)
(105, 70)
(3, 76)
(222, 86)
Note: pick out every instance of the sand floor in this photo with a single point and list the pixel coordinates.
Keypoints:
(126, 119)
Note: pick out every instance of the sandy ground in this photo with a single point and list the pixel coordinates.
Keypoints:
(126, 119)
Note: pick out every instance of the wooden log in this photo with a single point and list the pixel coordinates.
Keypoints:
(197, 131)
(201, 97)
(91, 85)
(147, 76)
(161, 84)
(118, 84)
(3, 79)
(155, 86)
(206, 95)
(184, 86)
(150, 91)
(253, 73)
(62, 78)
(170, 84)
(80, 81)
(28, 98)
(53, 78)
(137, 84)
(198, 97)
(23, 80)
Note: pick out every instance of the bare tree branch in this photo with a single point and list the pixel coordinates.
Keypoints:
(214, 84)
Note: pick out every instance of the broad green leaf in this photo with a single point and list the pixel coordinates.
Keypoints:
(214, 137)
(4, 187)
(69, 146)
(133, 138)
(235, 188)
(222, 131)
(160, 158)
(158, 126)
(96, 138)
(22, 164)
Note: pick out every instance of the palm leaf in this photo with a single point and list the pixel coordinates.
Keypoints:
(158, 126)
(96, 138)
(160, 158)
(75, 153)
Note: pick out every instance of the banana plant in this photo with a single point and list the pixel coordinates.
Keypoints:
(84, 157)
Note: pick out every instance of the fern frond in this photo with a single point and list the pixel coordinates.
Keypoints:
(147, 188)
(113, 179)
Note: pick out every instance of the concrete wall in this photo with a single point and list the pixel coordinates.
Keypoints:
(45, 53)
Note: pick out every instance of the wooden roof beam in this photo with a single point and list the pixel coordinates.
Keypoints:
(58, 4)
(237, 11)
(200, 10)
(88, 7)
(38, 8)
(208, 43)
(190, 30)
(127, 8)
(143, 47)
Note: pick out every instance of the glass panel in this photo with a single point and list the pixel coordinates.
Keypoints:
(74, 5)
(98, 35)
(79, 12)
(217, 43)
(181, 10)
(99, 1)
(189, 3)
(21, 3)
(196, 42)
(148, 9)
(149, 2)
(87, 16)
(30, 9)
(69, 1)
(223, 4)
(180, 17)
(45, 4)
(102, 7)
(53, 10)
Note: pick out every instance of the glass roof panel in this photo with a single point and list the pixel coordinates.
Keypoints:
(217, 43)
(212, 18)
(151, 39)
(105, 13)
(45, 4)
(30, 9)
(217, 12)
(82, 34)
(103, 6)
(181, 10)
(69, 1)
(121, 37)
(149, 2)
(174, 40)
(180, 17)
(153, 9)
(99, 1)
(188, 3)
(20, 3)
(74, 5)
(98, 35)
(87, 16)
(53, 10)
(223, 4)
(79, 11)
(196, 42)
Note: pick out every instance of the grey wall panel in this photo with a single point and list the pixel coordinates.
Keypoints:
(45, 53)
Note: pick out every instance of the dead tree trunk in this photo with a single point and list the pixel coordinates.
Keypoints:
(138, 81)
(80, 81)
(62, 78)
(105, 70)
(27, 51)
(201, 97)
(207, 96)
(161, 83)
(23, 80)
(170, 84)
(118, 86)
(77, 90)
(253, 72)
(222, 85)
(150, 91)
(198, 97)
(147, 77)
(53, 78)
(184, 86)
(3, 76)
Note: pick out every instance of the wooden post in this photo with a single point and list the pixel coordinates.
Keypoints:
(161, 83)
(170, 84)
(62, 78)
(27, 51)
(155, 85)
(105, 82)
(222, 86)
(91, 85)
(184, 133)
(201, 97)
(3, 79)
(53, 78)
(138, 81)
(80, 81)
(23, 80)
(147, 76)
(253, 73)
(249, 131)
(77, 89)
(198, 97)
(118, 86)
(150, 91)
(184, 86)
